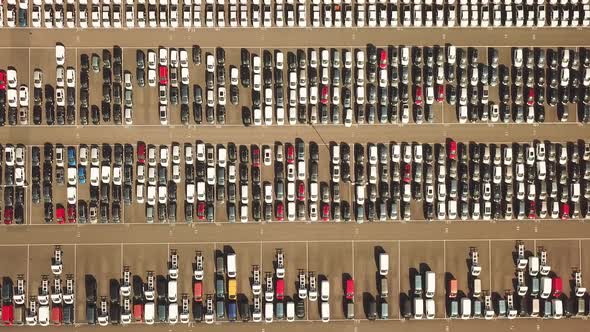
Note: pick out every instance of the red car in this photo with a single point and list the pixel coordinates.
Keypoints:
(8, 215)
(71, 213)
(290, 154)
(565, 211)
(280, 289)
(60, 214)
(453, 150)
(8, 313)
(532, 210)
(383, 59)
(163, 75)
(141, 152)
(349, 289)
(440, 93)
(255, 156)
(418, 97)
(2, 80)
(531, 98)
(557, 287)
(324, 99)
(280, 211)
(301, 191)
(326, 212)
(138, 311)
(201, 211)
(408, 173)
(56, 314)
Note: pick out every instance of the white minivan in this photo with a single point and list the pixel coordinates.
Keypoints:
(383, 264)
(231, 265)
(325, 290)
(290, 311)
(430, 284)
(325, 312)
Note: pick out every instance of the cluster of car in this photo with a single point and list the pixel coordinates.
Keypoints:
(53, 304)
(535, 284)
(494, 182)
(15, 182)
(255, 14)
(117, 88)
(15, 96)
(60, 101)
(99, 160)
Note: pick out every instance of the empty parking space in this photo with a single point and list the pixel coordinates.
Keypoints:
(14, 264)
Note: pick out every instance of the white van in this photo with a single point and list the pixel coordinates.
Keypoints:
(172, 291)
(149, 312)
(545, 287)
(290, 191)
(231, 265)
(465, 308)
(173, 313)
(476, 287)
(430, 309)
(190, 192)
(290, 311)
(336, 154)
(383, 264)
(313, 191)
(43, 312)
(418, 308)
(325, 312)
(243, 193)
(139, 192)
(541, 170)
(557, 306)
(325, 290)
(575, 193)
(222, 157)
(268, 312)
(533, 266)
(430, 284)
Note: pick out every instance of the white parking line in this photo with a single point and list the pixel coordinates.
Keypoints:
(300, 241)
(580, 253)
(490, 262)
(28, 269)
(399, 279)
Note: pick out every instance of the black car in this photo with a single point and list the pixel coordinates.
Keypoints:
(196, 54)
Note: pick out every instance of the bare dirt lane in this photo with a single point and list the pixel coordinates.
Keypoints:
(277, 37)
(421, 231)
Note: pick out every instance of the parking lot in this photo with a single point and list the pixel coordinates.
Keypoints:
(144, 100)
(335, 261)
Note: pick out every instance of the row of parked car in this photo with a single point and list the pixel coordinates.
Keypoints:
(473, 181)
(326, 14)
(451, 181)
(14, 181)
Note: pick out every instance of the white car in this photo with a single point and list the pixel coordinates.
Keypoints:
(243, 16)
(60, 54)
(23, 96)
(35, 16)
(302, 15)
(315, 16)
